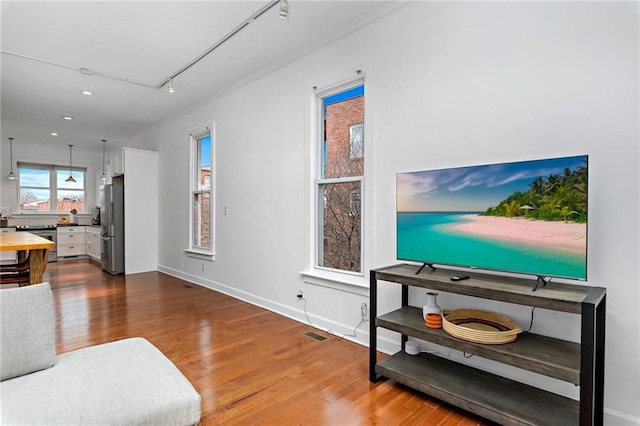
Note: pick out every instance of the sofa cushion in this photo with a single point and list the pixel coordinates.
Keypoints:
(27, 330)
(127, 382)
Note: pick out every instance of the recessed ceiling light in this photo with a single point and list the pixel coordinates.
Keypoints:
(87, 92)
(54, 134)
(67, 117)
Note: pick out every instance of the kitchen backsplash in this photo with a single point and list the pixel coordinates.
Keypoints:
(46, 220)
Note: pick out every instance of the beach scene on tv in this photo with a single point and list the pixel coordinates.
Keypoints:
(527, 217)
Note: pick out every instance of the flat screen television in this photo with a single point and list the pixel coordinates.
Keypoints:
(527, 217)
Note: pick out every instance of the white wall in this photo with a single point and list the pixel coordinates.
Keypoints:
(449, 84)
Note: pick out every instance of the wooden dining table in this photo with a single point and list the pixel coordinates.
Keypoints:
(33, 246)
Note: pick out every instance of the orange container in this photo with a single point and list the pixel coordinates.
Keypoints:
(434, 321)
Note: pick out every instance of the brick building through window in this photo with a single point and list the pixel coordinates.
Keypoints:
(342, 157)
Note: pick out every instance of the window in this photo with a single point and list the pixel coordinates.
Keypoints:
(42, 183)
(202, 235)
(355, 203)
(339, 180)
(356, 140)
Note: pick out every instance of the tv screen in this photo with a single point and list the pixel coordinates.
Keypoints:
(526, 217)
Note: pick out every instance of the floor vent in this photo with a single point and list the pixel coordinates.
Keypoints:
(186, 286)
(315, 336)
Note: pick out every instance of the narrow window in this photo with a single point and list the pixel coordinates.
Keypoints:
(339, 181)
(202, 235)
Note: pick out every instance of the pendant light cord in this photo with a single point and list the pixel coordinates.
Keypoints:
(70, 178)
(104, 143)
(11, 153)
(11, 175)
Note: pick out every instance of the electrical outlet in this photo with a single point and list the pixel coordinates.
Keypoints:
(299, 293)
(364, 310)
(202, 266)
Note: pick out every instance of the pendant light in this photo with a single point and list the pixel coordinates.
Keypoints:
(70, 178)
(11, 175)
(103, 178)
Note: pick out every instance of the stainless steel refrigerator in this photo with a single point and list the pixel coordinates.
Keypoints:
(112, 228)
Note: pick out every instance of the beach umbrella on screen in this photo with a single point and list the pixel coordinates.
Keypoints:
(526, 208)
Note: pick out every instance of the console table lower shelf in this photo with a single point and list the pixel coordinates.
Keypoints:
(496, 398)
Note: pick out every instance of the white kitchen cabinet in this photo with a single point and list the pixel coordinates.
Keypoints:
(117, 163)
(94, 246)
(71, 241)
(8, 257)
(137, 170)
(140, 210)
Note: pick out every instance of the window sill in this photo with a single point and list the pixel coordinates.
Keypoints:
(203, 255)
(352, 284)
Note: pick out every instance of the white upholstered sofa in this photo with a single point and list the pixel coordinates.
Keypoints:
(127, 382)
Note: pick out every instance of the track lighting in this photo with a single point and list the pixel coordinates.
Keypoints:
(284, 14)
(171, 89)
(70, 178)
(11, 175)
(284, 9)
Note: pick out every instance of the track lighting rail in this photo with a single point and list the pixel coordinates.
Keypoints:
(167, 80)
(219, 43)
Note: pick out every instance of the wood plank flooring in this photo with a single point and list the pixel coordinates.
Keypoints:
(251, 366)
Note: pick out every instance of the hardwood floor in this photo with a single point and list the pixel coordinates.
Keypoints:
(251, 366)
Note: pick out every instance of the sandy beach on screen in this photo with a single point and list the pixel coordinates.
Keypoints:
(563, 236)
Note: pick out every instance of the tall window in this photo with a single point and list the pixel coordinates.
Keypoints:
(202, 191)
(44, 188)
(339, 180)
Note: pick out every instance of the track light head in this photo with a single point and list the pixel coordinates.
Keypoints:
(171, 89)
(284, 9)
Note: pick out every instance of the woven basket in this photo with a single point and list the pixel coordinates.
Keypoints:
(480, 326)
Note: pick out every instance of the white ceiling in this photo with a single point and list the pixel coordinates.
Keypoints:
(144, 42)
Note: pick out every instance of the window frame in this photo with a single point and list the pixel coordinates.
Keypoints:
(53, 189)
(319, 181)
(195, 136)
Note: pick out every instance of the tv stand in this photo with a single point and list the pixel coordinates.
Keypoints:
(496, 398)
(430, 265)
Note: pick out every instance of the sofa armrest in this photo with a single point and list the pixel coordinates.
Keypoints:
(27, 330)
(126, 382)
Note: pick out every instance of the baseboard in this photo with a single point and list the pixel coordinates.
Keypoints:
(323, 324)
(616, 418)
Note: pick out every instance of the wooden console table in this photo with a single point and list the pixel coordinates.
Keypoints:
(36, 247)
(499, 399)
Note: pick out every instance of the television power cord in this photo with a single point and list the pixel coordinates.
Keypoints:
(530, 322)
(329, 331)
